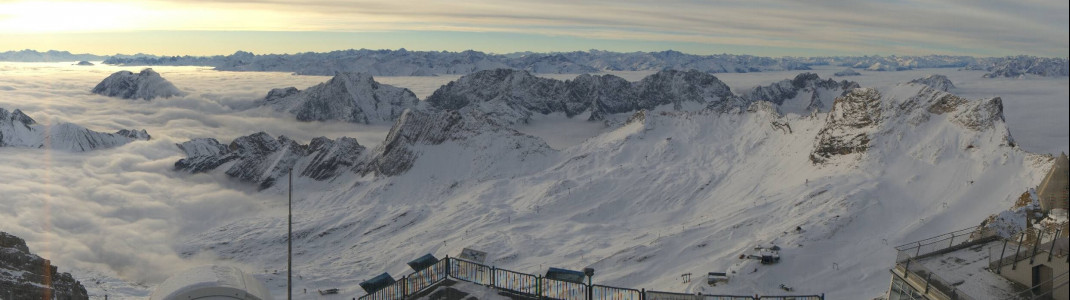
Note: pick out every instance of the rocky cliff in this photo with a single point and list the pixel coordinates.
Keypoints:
(24, 275)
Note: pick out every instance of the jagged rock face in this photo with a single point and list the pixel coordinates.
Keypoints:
(680, 87)
(939, 82)
(801, 95)
(847, 72)
(19, 130)
(850, 122)
(860, 117)
(259, 158)
(24, 275)
(350, 97)
(509, 95)
(146, 85)
(513, 96)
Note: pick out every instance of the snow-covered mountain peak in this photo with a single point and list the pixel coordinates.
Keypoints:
(350, 97)
(146, 85)
(16, 116)
(935, 81)
(19, 130)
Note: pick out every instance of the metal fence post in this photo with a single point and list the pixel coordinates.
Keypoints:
(404, 287)
(999, 262)
(927, 279)
(493, 276)
(448, 264)
(1014, 266)
(1052, 250)
(952, 242)
(642, 294)
(538, 287)
(1036, 244)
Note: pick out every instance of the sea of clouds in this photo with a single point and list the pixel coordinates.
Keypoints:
(120, 212)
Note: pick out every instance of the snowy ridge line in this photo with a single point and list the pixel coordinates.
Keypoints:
(534, 286)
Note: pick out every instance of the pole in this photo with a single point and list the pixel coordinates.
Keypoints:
(289, 238)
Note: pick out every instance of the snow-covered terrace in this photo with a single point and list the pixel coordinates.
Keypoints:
(961, 264)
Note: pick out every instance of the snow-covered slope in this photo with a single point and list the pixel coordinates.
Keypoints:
(662, 194)
(258, 158)
(801, 95)
(513, 96)
(19, 130)
(146, 85)
(939, 82)
(350, 97)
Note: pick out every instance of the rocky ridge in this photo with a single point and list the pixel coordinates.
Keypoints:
(801, 95)
(263, 160)
(513, 96)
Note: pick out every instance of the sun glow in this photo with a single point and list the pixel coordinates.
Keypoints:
(110, 16)
(53, 16)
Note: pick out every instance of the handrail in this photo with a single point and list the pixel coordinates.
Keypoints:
(532, 285)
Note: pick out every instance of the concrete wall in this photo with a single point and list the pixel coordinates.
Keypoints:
(1052, 190)
(1023, 273)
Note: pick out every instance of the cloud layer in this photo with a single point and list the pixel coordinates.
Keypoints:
(1037, 27)
(123, 209)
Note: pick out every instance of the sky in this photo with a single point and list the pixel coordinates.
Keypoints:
(757, 27)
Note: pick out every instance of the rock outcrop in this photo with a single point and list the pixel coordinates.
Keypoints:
(146, 85)
(24, 275)
(261, 159)
(849, 124)
(349, 97)
(19, 130)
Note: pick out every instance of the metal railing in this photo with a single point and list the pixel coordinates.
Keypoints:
(601, 292)
(533, 286)
(516, 282)
(914, 273)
